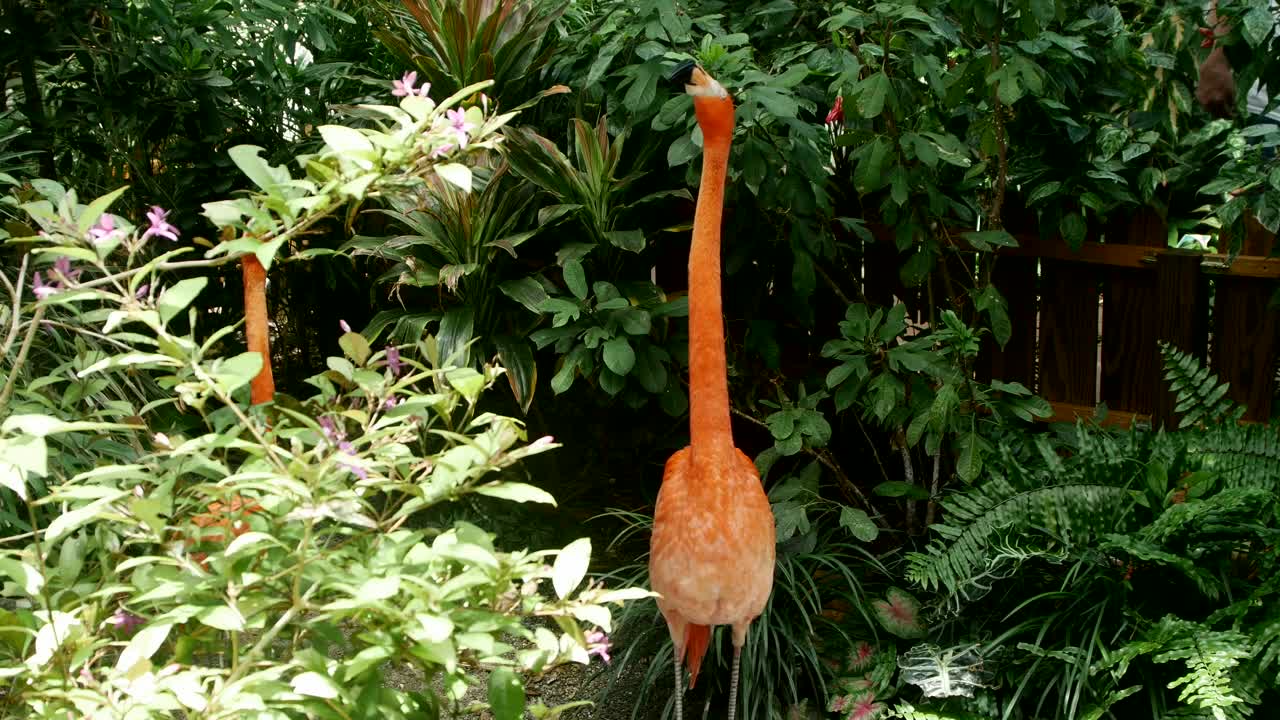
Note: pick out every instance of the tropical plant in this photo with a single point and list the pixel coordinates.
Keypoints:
(206, 555)
(1093, 571)
(456, 44)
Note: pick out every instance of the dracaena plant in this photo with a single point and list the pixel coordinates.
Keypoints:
(202, 556)
(458, 43)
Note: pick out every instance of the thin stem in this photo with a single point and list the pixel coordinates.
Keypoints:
(16, 308)
(22, 357)
(931, 510)
(44, 589)
(909, 472)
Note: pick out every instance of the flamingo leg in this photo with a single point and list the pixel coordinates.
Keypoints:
(679, 690)
(733, 681)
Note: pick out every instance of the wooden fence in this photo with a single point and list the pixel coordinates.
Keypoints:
(1087, 324)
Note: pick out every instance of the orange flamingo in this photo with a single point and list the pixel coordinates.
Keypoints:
(712, 553)
(257, 337)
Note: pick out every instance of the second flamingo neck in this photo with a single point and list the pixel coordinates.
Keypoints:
(709, 427)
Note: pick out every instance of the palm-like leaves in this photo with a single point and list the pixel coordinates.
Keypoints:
(457, 43)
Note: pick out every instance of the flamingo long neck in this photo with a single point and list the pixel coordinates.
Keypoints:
(709, 427)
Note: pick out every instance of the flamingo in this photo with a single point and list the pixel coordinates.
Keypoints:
(711, 555)
(263, 385)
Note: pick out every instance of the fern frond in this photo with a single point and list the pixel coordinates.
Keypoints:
(1202, 399)
(980, 520)
(1240, 454)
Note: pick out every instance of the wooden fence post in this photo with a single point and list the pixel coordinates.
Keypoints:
(1130, 353)
(1245, 330)
(1180, 318)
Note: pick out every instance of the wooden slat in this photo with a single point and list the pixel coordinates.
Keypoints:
(1130, 355)
(1068, 332)
(1069, 412)
(1245, 331)
(1015, 278)
(1181, 319)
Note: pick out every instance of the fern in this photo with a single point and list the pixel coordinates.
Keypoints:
(1239, 454)
(1202, 399)
(980, 522)
(1215, 682)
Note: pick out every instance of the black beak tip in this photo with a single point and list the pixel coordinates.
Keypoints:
(682, 73)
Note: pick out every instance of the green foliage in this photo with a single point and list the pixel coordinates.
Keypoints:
(457, 44)
(1202, 400)
(206, 558)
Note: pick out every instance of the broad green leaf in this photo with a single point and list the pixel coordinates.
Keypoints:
(256, 168)
(355, 347)
(314, 684)
(72, 520)
(506, 695)
(897, 488)
(570, 567)
(176, 298)
(859, 523)
(575, 278)
(467, 381)
(526, 291)
(457, 174)
(345, 140)
(1073, 229)
(26, 575)
(872, 95)
(630, 240)
(222, 617)
(517, 492)
(143, 646)
(619, 356)
(457, 327)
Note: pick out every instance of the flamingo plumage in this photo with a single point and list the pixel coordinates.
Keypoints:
(712, 552)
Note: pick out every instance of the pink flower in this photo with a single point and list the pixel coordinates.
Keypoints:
(440, 151)
(598, 644)
(458, 123)
(159, 225)
(393, 360)
(41, 290)
(125, 621)
(105, 229)
(62, 266)
(404, 86)
(345, 327)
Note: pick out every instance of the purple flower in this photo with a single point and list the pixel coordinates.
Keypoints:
(440, 151)
(142, 291)
(42, 290)
(105, 228)
(159, 225)
(62, 266)
(346, 447)
(331, 432)
(598, 644)
(125, 621)
(393, 360)
(391, 402)
(356, 470)
(345, 327)
(458, 123)
(404, 86)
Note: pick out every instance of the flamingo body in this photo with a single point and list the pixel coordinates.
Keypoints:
(712, 552)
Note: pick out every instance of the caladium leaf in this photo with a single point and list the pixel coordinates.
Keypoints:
(899, 613)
